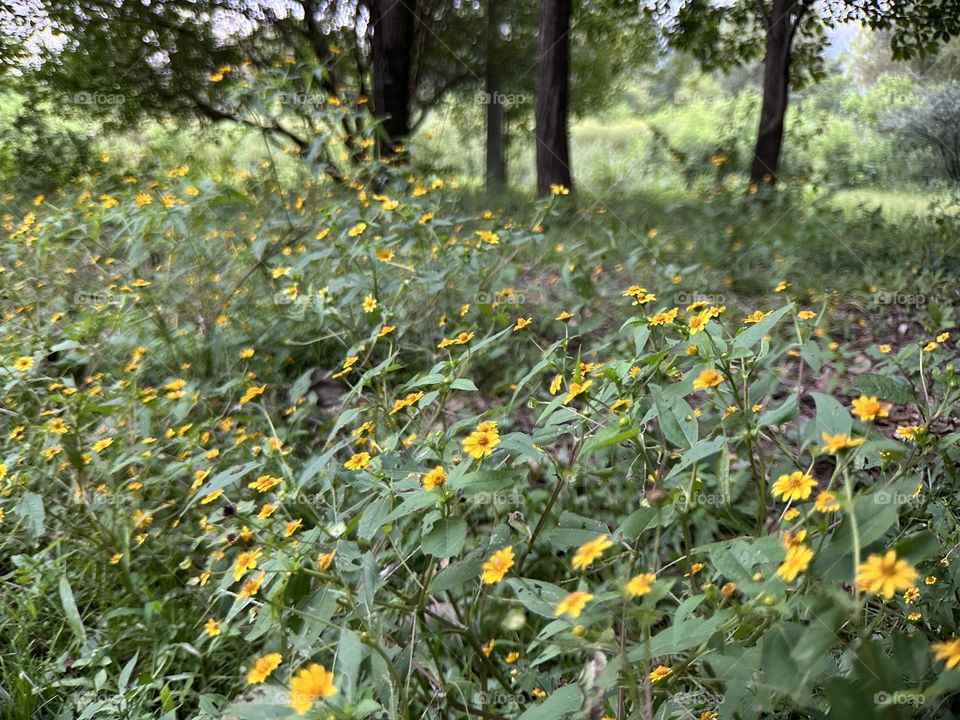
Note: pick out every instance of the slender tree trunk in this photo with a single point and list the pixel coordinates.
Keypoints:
(496, 165)
(776, 87)
(392, 22)
(553, 96)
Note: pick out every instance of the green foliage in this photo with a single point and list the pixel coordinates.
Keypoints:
(197, 360)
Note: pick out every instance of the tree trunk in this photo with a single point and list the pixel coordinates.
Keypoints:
(392, 22)
(553, 96)
(496, 165)
(776, 87)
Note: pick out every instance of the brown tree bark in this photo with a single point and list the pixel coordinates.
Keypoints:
(553, 96)
(392, 23)
(496, 146)
(781, 25)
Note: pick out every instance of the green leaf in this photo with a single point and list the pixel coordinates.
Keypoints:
(374, 517)
(70, 610)
(446, 538)
(677, 421)
(610, 436)
(31, 509)
(560, 704)
(754, 333)
(832, 417)
(455, 576)
(884, 388)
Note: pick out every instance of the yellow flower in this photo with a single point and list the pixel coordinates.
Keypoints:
(324, 559)
(911, 595)
(791, 514)
(309, 684)
(884, 348)
(930, 580)
(556, 384)
(620, 404)
(405, 402)
(781, 286)
(246, 353)
(265, 482)
(434, 478)
(386, 330)
(357, 229)
(245, 561)
(212, 627)
(572, 605)
(496, 566)
(754, 317)
(698, 322)
(640, 295)
(102, 444)
(291, 527)
(23, 363)
(826, 502)
(511, 658)
(659, 673)
(797, 560)
(210, 497)
(806, 314)
(576, 389)
(488, 237)
(885, 574)
(564, 316)
(914, 617)
(262, 667)
(557, 189)
(664, 318)
(522, 323)
(358, 461)
(909, 432)
(869, 408)
(481, 442)
(252, 392)
(795, 486)
(251, 586)
(948, 651)
(707, 378)
(589, 552)
(641, 584)
(835, 443)
(369, 304)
